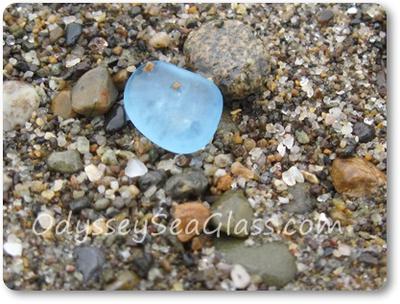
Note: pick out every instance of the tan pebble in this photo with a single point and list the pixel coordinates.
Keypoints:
(193, 9)
(237, 139)
(310, 177)
(356, 177)
(148, 67)
(249, 144)
(192, 216)
(117, 50)
(61, 105)
(120, 78)
(239, 170)
(160, 40)
(224, 183)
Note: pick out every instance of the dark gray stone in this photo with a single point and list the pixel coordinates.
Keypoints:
(79, 204)
(72, 33)
(89, 261)
(152, 178)
(364, 132)
(189, 184)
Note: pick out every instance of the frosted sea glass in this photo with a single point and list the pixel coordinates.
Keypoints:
(176, 109)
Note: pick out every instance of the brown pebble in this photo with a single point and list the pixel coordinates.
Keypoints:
(356, 177)
(61, 105)
(239, 170)
(148, 67)
(224, 183)
(192, 216)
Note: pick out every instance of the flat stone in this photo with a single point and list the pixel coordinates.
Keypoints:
(20, 99)
(89, 261)
(176, 109)
(61, 105)
(72, 33)
(189, 184)
(65, 162)
(356, 177)
(271, 261)
(230, 53)
(233, 213)
(94, 93)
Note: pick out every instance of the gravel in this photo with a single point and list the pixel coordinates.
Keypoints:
(315, 102)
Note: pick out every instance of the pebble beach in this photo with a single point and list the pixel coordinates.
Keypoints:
(302, 141)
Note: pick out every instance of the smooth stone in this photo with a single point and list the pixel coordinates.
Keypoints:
(364, 132)
(302, 201)
(102, 204)
(189, 184)
(356, 177)
(89, 261)
(325, 16)
(19, 101)
(61, 105)
(176, 109)
(233, 213)
(115, 119)
(272, 261)
(94, 93)
(73, 31)
(66, 161)
(230, 53)
(152, 178)
(79, 204)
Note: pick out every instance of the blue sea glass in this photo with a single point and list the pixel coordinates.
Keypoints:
(176, 109)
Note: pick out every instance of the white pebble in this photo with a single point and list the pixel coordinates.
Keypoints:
(93, 173)
(45, 219)
(240, 277)
(291, 176)
(13, 246)
(352, 10)
(135, 168)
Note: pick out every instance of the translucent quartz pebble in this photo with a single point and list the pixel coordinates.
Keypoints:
(176, 109)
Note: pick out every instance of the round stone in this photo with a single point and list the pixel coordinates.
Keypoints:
(174, 108)
(230, 54)
(19, 101)
(94, 93)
